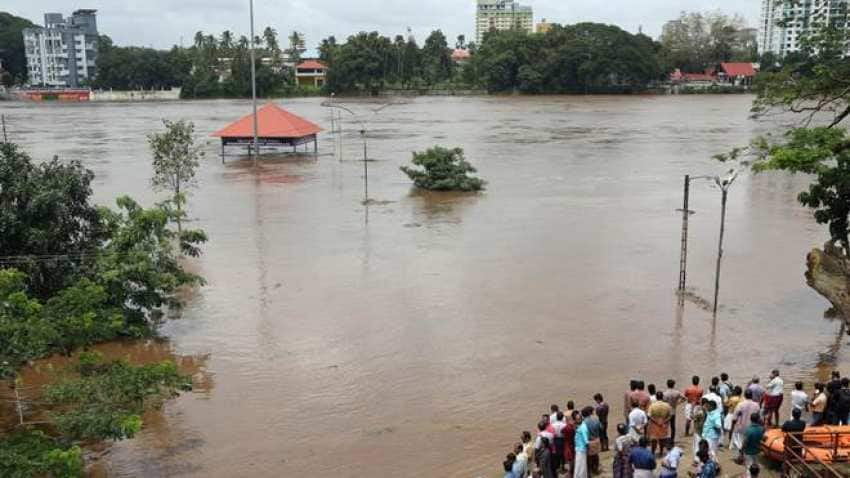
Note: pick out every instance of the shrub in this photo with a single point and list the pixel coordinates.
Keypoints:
(443, 169)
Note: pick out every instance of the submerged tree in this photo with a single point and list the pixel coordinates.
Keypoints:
(175, 161)
(443, 169)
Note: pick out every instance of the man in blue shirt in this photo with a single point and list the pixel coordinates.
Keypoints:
(713, 426)
(642, 460)
(582, 439)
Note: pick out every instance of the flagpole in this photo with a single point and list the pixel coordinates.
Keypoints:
(254, 85)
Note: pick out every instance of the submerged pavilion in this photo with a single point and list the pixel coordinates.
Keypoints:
(276, 128)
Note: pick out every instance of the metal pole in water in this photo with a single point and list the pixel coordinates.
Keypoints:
(254, 86)
(365, 166)
(683, 262)
(720, 248)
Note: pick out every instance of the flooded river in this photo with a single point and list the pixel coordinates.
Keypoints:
(421, 342)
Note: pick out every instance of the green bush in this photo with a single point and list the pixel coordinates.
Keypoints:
(443, 170)
(30, 453)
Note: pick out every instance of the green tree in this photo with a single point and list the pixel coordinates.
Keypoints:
(442, 169)
(28, 453)
(175, 161)
(363, 63)
(12, 51)
(812, 86)
(295, 47)
(697, 41)
(45, 213)
(436, 58)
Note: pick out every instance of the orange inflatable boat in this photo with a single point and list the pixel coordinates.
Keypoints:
(828, 444)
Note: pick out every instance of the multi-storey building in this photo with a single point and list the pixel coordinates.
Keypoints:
(544, 27)
(784, 23)
(62, 53)
(502, 15)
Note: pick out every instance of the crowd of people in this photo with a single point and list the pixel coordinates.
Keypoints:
(718, 416)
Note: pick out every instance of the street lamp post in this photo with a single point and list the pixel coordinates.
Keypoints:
(724, 185)
(365, 166)
(363, 132)
(254, 86)
(686, 213)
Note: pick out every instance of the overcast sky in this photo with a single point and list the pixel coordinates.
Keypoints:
(161, 23)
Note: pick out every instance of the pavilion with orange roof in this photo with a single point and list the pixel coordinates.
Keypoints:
(276, 128)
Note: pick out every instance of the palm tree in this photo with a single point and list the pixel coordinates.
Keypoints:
(226, 40)
(461, 42)
(270, 36)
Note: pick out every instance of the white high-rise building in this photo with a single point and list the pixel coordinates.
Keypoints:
(62, 53)
(502, 15)
(785, 22)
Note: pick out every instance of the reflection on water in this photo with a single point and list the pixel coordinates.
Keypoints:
(420, 342)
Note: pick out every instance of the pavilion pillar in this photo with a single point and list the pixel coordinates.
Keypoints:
(315, 147)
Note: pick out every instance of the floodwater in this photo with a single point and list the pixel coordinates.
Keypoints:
(420, 336)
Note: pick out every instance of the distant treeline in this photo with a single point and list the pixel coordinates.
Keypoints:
(585, 57)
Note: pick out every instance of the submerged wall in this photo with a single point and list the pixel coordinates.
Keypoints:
(137, 95)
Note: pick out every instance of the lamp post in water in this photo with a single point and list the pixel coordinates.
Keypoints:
(254, 86)
(686, 212)
(724, 184)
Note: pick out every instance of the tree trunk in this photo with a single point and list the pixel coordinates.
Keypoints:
(179, 202)
(829, 274)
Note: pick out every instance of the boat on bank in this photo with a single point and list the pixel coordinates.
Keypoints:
(827, 444)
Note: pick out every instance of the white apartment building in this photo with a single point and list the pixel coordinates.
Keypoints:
(785, 22)
(63, 53)
(502, 15)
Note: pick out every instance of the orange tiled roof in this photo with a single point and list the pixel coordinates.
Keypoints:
(738, 69)
(311, 65)
(272, 122)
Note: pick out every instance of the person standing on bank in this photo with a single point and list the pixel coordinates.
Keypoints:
(693, 394)
(658, 428)
(674, 398)
(752, 441)
(622, 450)
(642, 460)
(602, 410)
(773, 399)
(799, 398)
(713, 426)
(594, 436)
(582, 441)
(819, 402)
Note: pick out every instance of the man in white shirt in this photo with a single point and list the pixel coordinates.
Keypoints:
(637, 421)
(799, 398)
(773, 399)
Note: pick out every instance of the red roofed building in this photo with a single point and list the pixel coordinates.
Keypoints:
(276, 127)
(311, 73)
(693, 79)
(461, 56)
(737, 73)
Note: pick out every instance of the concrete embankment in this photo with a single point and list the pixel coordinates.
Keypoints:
(135, 95)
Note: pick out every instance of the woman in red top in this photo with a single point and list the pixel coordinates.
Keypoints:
(570, 441)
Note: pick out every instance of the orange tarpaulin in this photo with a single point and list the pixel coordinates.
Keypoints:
(272, 122)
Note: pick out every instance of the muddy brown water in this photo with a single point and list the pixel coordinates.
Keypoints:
(421, 342)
